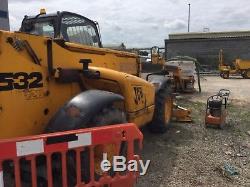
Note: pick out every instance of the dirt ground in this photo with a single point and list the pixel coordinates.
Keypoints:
(188, 154)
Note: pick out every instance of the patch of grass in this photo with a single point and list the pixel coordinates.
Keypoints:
(197, 109)
(238, 118)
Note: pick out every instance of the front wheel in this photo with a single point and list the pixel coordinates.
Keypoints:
(163, 110)
(108, 116)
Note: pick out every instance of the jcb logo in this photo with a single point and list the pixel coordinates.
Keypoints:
(20, 80)
(138, 95)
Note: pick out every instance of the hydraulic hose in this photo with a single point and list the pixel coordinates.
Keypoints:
(198, 74)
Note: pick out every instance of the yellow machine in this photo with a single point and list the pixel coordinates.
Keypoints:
(184, 70)
(241, 67)
(156, 60)
(55, 76)
(181, 68)
(156, 56)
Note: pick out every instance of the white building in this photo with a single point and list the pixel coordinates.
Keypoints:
(4, 15)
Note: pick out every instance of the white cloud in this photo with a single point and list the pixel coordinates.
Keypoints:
(176, 24)
(143, 23)
(14, 22)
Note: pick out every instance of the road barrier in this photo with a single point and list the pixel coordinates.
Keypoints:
(69, 158)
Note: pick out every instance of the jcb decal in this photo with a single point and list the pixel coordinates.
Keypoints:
(20, 80)
(138, 95)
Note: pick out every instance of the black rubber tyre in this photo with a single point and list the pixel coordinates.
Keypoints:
(246, 74)
(160, 122)
(225, 75)
(221, 75)
(243, 74)
(109, 116)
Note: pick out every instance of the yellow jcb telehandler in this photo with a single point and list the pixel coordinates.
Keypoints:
(55, 77)
(55, 66)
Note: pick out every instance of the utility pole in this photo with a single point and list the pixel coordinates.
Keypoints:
(189, 16)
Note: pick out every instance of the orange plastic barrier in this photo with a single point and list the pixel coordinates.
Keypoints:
(68, 158)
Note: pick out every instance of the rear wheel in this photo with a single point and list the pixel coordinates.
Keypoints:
(246, 74)
(225, 75)
(163, 110)
(243, 74)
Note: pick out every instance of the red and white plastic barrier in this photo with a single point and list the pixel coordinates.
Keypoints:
(29, 148)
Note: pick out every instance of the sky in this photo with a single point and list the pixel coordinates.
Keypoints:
(143, 23)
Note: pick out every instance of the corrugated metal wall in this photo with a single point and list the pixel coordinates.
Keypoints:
(207, 50)
(229, 34)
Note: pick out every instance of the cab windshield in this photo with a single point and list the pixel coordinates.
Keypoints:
(76, 29)
(43, 29)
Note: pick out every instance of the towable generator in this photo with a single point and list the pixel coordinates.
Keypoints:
(58, 81)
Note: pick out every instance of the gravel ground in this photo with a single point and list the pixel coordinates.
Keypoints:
(190, 155)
